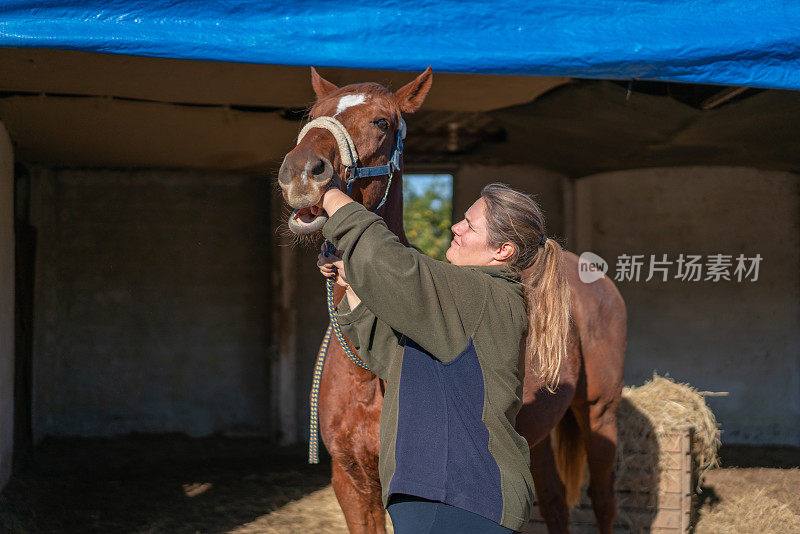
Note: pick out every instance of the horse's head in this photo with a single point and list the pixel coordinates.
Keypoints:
(371, 115)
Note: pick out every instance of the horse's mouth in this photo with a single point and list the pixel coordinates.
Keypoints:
(307, 220)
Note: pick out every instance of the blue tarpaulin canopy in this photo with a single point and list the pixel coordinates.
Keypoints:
(734, 42)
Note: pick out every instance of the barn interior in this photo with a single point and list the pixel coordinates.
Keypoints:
(157, 292)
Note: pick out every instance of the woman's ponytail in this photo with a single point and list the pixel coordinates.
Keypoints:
(547, 297)
(516, 218)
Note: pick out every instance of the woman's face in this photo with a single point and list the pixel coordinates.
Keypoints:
(470, 237)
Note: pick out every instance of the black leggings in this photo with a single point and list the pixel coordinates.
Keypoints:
(415, 515)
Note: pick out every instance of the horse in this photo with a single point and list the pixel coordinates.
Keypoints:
(566, 429)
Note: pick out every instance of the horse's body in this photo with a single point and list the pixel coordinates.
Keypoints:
(581, 414)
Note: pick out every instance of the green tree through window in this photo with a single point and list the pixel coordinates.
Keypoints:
(428, 212)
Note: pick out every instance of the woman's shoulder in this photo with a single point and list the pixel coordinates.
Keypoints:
(504, 316)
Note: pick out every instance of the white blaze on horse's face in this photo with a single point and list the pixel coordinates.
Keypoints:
(348, 101)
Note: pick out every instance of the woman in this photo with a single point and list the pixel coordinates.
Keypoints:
(446, 338)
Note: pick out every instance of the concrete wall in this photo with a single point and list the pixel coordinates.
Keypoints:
(153, 295)
(739, 337)
(152, 303)
(6, 305)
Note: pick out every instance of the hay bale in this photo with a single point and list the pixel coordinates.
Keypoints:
(649, 414)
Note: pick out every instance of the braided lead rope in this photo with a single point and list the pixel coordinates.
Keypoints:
(338, 331)
(347, 148)
(313, 431)
(313, 440)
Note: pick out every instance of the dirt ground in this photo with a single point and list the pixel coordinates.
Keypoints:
(173, 484)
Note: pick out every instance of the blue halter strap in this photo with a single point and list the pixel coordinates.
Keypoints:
(354, 173)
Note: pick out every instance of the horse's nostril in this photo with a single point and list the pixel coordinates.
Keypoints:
(322, 171)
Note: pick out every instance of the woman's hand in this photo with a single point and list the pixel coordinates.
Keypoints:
(333, 199)
(332, 265)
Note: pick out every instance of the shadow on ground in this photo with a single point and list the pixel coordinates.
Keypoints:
(759, 456)
(174, 484)
(155, 484)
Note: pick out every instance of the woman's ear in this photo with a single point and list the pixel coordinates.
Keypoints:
(504, 251)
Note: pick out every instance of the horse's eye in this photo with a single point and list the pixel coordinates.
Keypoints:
(383, 124)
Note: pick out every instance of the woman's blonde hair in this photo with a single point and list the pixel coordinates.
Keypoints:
(514, 217)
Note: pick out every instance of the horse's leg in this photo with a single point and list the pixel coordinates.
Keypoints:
(378, 514)
(362, 516)
(598, 422)
(550, 491)
(350, 406)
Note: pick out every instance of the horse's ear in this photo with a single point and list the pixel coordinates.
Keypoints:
(410, 97)
(321, 86)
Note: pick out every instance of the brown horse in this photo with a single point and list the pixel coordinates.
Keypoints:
(581, 414)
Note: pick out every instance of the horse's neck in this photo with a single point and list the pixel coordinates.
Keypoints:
(393, 209)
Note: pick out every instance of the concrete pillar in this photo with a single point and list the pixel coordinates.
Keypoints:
(6, 305)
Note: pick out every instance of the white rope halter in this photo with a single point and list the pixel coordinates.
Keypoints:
(347, 148)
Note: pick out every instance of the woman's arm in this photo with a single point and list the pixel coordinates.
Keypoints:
(352, 298)
(436, 304)
(375, 342)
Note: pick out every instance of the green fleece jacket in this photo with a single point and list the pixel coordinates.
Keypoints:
(446, 339)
